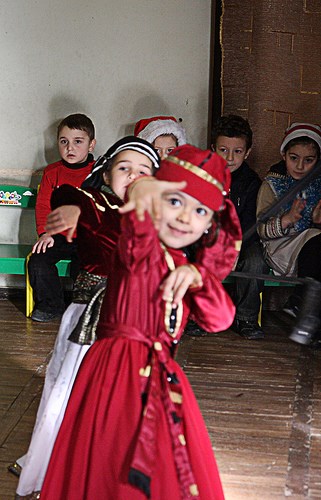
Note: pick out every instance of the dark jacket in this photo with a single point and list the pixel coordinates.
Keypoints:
(244, 189)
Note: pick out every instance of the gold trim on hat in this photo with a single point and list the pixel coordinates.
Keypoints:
(197, 171)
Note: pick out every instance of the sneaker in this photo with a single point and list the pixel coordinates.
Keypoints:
(45, 317)
(15, 469)
(291, 307)
(248, 329)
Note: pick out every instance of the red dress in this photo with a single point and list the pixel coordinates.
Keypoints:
(133, 429)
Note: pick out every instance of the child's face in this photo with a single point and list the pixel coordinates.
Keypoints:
(164, 145)
(300, 159)
(127, 166)
(184, 219)
(74, 145)
(233, 150)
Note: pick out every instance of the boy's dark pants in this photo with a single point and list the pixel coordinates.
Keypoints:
(43, 274)
(246, 294)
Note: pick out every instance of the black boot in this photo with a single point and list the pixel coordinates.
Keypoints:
(308, 323)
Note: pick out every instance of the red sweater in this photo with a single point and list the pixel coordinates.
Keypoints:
(55, 175)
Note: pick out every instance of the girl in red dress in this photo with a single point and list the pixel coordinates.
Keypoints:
(132, 429)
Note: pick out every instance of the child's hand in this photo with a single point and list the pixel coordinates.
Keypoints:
(45, 241)
(316, 214)
(294, 214)
(62, 219)
(178, 282)
(145, 194)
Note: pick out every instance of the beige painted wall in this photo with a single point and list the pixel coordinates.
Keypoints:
(117, 61)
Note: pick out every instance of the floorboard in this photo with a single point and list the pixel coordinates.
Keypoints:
(261, 402)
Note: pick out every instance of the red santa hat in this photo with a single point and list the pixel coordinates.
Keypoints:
(301, 130)
(151, 128)
(206, 173)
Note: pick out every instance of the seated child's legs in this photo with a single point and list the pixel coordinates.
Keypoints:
(309, 261)
(247, 291)
(44, 279)
(309, 265)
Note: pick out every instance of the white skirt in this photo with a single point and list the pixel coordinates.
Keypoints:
(61, 372)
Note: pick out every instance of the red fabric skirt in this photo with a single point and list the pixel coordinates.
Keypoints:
(95, 445)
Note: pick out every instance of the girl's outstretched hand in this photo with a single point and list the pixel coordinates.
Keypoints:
(64, 218)
(178, 282)
(145, 194)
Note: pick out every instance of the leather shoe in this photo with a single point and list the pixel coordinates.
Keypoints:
(15, 469)
(45, 317)
(249, 330)
(193, 330)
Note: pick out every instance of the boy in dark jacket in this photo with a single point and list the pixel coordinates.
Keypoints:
(232, 139)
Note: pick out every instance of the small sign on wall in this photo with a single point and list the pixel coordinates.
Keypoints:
(17, 196)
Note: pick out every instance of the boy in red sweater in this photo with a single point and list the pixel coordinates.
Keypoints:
(76, 141)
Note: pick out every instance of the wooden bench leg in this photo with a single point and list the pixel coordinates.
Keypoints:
(29, 292)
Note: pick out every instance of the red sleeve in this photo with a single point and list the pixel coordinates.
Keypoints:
(138, 243)
(221, 257)
(54, 176)
(43, 207)
(68, 195)
(92, 209)
(211, 306)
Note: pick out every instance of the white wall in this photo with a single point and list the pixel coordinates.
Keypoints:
(117, 61)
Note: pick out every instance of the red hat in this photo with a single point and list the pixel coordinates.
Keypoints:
(301, 130)
(206, 173)
(151, 128)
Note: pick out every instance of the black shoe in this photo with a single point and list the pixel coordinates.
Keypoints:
(292, 306)
(15, 469)
(45, 317)
(249, 330)
(291, 310)
(193, 330)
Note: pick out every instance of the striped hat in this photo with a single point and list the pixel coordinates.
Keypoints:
(95, 179)
(135, 144)
(301, 130)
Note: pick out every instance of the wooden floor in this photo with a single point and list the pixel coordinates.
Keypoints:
(261, 401)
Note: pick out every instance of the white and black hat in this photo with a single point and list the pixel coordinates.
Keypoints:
(95, 179)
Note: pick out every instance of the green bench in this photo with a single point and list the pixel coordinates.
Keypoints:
(231, 279)
(14, 256)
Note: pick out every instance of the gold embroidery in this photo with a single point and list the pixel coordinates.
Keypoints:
(193, 489)
(145, 372)
(176, 397)
(113, 207)
(238, 244)
(182, 440)
(100, 207)
(168, 305)
(158, 346)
